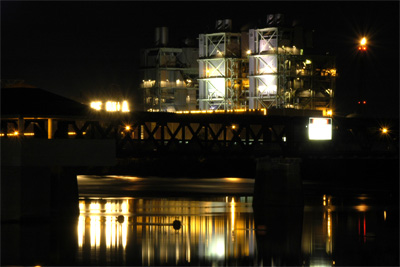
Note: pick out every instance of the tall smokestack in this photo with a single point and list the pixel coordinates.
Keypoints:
(161, 36)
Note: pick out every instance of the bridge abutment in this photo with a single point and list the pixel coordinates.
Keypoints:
(39, 177)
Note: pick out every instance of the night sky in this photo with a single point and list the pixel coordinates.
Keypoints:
(83, 49)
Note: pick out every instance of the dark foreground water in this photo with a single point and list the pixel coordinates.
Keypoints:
(160, 221)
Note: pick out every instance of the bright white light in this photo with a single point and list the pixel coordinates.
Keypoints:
(363, 41)
(111, 106)
(320, 129)
(216, 86)
(125, 106)
(217, 247)
(96, 105)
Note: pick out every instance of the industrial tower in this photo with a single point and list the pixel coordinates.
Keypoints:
(169, 76)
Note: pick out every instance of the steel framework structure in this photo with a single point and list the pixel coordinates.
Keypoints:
(268, 65)
(220, 65)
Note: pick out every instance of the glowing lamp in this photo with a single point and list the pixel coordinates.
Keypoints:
(363, 41)
(363, 44)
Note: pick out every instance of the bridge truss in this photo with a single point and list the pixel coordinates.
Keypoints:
(226, 134)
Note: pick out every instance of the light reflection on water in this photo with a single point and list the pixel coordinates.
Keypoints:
(212, 231)
(341, 229)
(223, 231)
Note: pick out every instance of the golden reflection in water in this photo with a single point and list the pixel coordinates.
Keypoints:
(210, 230)
(233, 216)
(317, 237)
(99, 223)
(328, 223)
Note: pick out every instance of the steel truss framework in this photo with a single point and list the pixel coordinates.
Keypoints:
(216, 134)
(220, 59)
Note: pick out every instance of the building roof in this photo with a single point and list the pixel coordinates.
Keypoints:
(37, 102)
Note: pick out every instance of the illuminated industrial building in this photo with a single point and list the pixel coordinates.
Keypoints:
(262, 68)
(222, 70)
(169, 75)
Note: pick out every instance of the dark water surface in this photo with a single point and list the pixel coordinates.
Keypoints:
(154, 221)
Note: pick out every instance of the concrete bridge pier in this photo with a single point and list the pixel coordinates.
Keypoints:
(278, 211)
(39, 176)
